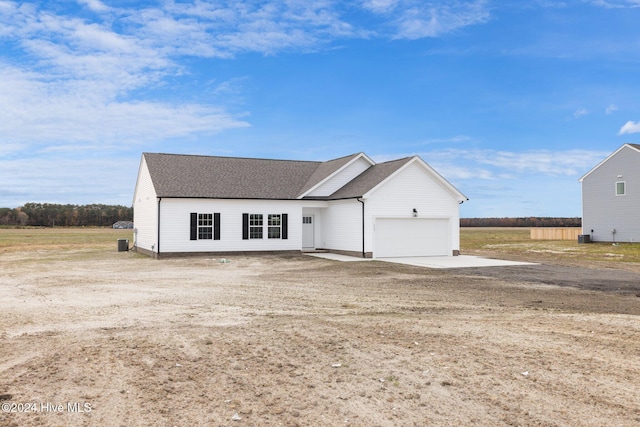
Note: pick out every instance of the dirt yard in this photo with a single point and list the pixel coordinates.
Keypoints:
(97, 337)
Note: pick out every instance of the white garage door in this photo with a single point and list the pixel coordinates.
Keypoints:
(399, 237)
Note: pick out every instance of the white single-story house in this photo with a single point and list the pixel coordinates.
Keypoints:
(189, 204)
(611, 197)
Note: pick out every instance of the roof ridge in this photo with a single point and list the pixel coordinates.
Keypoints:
(235, 157)
(398, 160)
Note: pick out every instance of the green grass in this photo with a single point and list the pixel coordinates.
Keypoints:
(497, 242)
(516, 242)
(25, 239)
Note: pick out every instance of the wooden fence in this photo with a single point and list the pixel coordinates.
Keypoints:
(555, 233)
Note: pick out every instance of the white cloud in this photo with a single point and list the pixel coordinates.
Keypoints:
(76, 79)
(611, 109)
(95, 5)
(629, 127)
(580, 112)
(432, 19)
(615, 4)
(36, 111)
(497, 164)
(380, 6)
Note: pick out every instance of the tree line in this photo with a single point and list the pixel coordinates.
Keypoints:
(521, 222)
(53, 215)
(98, 215)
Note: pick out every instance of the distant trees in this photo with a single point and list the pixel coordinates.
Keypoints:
(521, 222)
(50, 214)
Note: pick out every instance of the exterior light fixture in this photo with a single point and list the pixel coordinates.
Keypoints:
(415, 212)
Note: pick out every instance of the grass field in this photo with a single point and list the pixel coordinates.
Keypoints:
(19, 239)
(516, 242)
(497, 242)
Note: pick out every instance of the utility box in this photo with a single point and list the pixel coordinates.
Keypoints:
(584, 238)
(123, 245)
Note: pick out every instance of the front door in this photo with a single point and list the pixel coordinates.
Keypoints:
(307, 232)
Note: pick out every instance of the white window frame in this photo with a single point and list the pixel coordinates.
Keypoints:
(274, 226)
(624, 188)
(256, 222)
(205, 226)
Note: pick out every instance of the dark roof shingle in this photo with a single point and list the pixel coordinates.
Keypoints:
(368, 179)
(190, 176)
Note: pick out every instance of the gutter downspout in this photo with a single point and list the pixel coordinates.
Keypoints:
(158, 239)
(362, 201)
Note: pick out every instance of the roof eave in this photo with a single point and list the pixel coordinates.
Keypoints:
(360, 155)
(461, 198)
(632, 146)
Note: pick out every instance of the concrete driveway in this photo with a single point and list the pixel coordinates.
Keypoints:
(462, 261)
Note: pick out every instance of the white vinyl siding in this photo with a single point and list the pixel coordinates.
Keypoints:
(175, 226)
(145, 210)
(342, 226)
(341, 178)
(603, 208)
(413, 188)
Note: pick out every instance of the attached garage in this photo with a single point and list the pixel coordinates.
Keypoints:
(400, 237)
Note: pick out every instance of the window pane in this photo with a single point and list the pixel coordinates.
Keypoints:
(205, 219)
(274, 219)
(274, 223)
(274, 232)
(205, 226)
(255, 219)
(255, 232)
(205, 233)
(255, 226)
(620, 190)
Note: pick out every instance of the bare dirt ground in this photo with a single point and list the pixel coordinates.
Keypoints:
(96, 337)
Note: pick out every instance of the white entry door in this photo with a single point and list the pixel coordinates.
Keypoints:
(308, 240)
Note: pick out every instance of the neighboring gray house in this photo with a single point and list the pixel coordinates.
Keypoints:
(185, 204)
(611, 197)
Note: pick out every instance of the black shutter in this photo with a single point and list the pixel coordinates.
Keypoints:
(194, 226)
(285, 226)
(245, 226)
(216, 226)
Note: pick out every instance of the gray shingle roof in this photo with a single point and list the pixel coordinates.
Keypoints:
(188, 176)
(369, 179)
(325, 169)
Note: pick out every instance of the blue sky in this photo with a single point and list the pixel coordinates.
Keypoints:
(511, 101)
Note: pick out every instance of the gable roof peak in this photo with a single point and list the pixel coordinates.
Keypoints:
(635, 147)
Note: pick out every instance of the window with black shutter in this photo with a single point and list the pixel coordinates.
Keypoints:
(205, 226)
